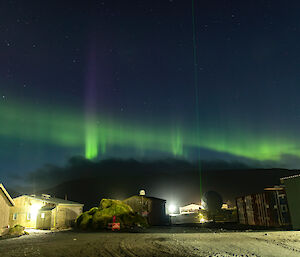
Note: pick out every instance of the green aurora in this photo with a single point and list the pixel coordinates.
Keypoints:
(96, 134)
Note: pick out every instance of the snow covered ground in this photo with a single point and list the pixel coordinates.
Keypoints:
(178, 241)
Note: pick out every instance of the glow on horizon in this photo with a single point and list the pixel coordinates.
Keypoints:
(94, 136)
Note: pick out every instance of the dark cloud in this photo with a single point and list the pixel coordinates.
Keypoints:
(79, 167)
(176, 180)
(289, 161)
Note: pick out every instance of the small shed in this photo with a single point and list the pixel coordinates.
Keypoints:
(6, 202)
(292, 188)
(44, 212)
(151, 207)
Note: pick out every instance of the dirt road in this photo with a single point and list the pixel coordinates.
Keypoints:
(157, 242)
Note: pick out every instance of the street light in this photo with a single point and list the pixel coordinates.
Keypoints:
(172, 208)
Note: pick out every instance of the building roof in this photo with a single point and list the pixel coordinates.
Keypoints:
(148, 197)
(53, 200)
(290, 177)
(191, 205)
(155, 198)
(11, 201)
(274, 188)
(47, 208)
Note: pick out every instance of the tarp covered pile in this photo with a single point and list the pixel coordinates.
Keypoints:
(100, 217)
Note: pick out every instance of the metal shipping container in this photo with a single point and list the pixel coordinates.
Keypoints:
(241, 209)
(267, 209)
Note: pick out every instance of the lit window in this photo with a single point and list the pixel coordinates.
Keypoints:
(15, 215)
(43, 215)
(28, 216)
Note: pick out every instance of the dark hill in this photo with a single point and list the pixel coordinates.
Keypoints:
(178, 187)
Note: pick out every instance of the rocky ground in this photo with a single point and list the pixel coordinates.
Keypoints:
(172, 241)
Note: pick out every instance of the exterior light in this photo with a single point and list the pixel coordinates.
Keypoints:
(34, 209)
(172, 208)
(202, 218)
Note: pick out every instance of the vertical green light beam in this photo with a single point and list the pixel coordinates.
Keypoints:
(196, 92)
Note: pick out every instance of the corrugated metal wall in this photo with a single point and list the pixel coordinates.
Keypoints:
(264, 209)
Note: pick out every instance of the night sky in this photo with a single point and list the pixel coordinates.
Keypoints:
(116, 79)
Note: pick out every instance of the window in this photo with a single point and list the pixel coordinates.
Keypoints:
(43, 215)
(28, 216)
(15, 215)
(284, 208)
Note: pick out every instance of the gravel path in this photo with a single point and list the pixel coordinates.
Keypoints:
(158, 242)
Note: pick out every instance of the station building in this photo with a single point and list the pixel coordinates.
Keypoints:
(44, 212)
(292, 188)
(269, 208)
(6, 203)
(154, 209)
